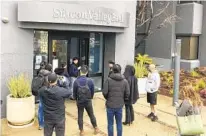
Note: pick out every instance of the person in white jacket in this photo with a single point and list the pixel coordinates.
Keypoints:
(152, 87)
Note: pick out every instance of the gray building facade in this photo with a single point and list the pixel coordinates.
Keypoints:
(55, 32)
(189, 27)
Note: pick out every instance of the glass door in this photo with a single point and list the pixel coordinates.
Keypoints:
(84, 51)
(59, 52)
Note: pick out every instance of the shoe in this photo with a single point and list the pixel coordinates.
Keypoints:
(96, 131)
(81, 133)
(40, 128)
(151, 115)
(126, 124)
(154, 118)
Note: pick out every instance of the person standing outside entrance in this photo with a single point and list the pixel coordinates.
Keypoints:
(53, 98)
(116, 92)
(152, 87)
(73, 72)
(111, 64)
(83, 94)
(129, 74)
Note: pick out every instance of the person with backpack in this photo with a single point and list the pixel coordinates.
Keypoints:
(116, 92)
(53, 99)
(129, 74)
(83, 94)
(37, 83)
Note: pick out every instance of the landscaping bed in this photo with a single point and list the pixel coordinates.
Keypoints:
(196, 78)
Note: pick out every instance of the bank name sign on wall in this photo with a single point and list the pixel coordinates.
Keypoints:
(93, 15)
(51, 12)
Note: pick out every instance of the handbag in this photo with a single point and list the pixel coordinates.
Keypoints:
(190, 125)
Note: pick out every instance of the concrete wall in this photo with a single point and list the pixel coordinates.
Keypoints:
(190, 22)
(16, 49)
(202, 39)
(109, 51)
(125, 42)
(160, 43)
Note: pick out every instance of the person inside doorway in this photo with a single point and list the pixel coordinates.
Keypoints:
(73, 72)
(53, 98)
(152, 86)
(116, 92)
(83, 94)
(129, 74)
(111, 64)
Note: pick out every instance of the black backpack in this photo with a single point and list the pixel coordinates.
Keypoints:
(37, 83)
(83, 92)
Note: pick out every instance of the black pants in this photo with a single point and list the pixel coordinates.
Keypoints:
(129, 114)
(89, 108)
(59, 128)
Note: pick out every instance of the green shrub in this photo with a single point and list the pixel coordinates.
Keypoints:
(140, 65)
(194, 74)
(19, 86)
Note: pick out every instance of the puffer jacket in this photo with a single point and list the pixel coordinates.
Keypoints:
(116, 91)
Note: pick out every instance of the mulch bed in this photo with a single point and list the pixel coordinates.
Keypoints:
(185, 78)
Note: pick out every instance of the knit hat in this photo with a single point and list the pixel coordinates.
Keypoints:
(52, 78)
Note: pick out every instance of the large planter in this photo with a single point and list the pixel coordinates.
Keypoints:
(142, 85)
(20, 111)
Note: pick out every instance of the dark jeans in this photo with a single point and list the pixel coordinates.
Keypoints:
(129, 114)
(117, 113)
(59, 128)
(89, 108)
(40, 114)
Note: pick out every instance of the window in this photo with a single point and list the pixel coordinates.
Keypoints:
(40, 49)
(96, 59)
(183, 1)
(189, 47)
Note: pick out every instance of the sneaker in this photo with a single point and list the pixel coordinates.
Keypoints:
(151, 115)
(40, 128)
(96, 131)
(154, 118)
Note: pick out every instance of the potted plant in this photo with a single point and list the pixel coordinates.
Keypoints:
(20, 102)
(141, 71)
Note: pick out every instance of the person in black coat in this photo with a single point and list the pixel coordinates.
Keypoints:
(134, 94)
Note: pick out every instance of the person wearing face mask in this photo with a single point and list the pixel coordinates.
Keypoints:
(152, 87)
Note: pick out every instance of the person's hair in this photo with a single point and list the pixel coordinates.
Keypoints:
(111, 62)
(43, 64)
(116, 68)
(84, 69)
(129, 71)
(75, 58)
(48, 67)
(189, 92)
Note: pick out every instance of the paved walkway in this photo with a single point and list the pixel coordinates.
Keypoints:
(166, 126)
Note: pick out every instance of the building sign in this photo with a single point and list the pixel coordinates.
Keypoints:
(97, 15)
(51, 12)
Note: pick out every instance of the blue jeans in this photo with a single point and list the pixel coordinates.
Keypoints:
(117, 113)
(40, 114)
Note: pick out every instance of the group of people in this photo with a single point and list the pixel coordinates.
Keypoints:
(119, 90)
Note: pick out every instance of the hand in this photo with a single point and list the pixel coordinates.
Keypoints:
(79, 68)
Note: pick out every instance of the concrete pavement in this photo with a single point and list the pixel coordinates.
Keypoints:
(165, 126)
